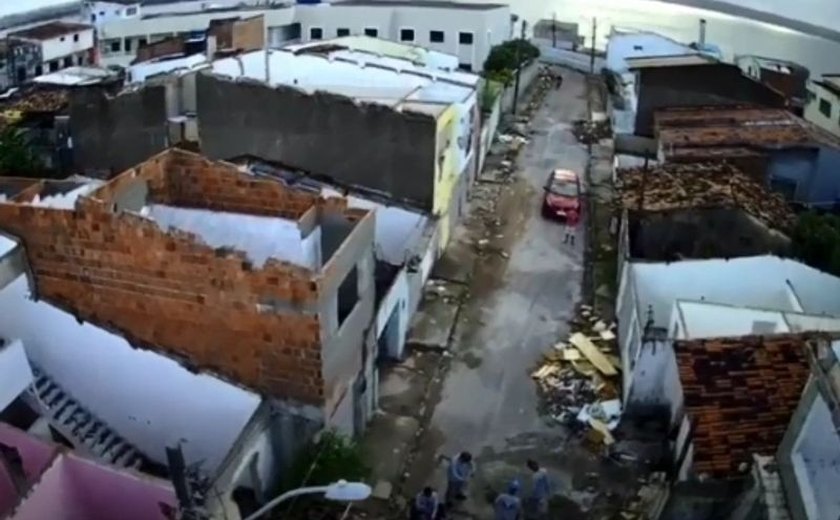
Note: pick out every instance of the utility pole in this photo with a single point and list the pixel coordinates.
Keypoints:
(592, 50)
(518, 66)
(554, 30)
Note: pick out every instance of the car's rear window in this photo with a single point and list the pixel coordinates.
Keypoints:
(563, 187)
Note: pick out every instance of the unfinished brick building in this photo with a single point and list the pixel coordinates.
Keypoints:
(265, 286)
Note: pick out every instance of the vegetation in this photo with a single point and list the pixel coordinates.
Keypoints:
(333, 457)
(505, 58)
(816, 241)
(16, 156)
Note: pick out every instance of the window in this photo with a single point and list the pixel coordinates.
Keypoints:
(371, 32)
(117, 12)
(128, 43)
(316, 33)
(68, 61)
(348, 295)
(53, 65)
(39, 70)
(61, 39)
(466, 67)
(80, 60)
(406, 35)
(343, 31)
(101, 14)
(141, 42)
(436, 36)
(75, 37)
(115, 46)
(465, 38)
(93, 18)
(825, 107)
(131, 11)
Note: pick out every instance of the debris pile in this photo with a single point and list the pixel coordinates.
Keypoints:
(579, 379)
(590, 132)
(650, 499)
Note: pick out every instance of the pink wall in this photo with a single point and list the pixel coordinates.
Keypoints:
(78, 489)
(36, 455)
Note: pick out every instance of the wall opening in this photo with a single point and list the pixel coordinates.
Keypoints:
(348, 295)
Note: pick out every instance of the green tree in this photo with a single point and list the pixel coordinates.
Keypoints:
(333, 457)
(16, 156)
(816, 241)
(505, 58)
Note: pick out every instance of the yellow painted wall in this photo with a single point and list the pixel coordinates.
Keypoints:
(446, 170)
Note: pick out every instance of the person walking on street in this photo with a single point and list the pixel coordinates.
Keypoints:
(540, 490)
(426, 505)
(461, 470)
(569, 237)
(508, 506)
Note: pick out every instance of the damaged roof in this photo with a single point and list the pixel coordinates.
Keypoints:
(740, 394)
(724, 131)
(702, 185)
(50, 30)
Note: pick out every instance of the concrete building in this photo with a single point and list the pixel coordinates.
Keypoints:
(676, 212)
(323, 105)
(809, 455)
(465, 30)
(797, 159)
(289, 317)
(100, 13)
(59, 45)
(414, 53)
(787, 77)
(661, 303)
(823, 103)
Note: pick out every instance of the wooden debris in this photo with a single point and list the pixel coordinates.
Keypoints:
(584, 368)
(571, 354)
(607, 335)
(603, 430)
(545, 371)
(595, 356)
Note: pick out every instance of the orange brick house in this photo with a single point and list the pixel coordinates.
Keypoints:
(268, 288)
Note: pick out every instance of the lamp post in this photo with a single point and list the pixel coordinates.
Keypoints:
(341, 491)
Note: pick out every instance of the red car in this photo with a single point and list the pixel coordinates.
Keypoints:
(562, 197)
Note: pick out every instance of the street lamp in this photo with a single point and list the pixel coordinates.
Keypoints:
(341, 491)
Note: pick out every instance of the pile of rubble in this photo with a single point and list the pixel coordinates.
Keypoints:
(591, 132)
(579, 379)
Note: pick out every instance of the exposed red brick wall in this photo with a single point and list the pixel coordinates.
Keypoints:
(166, 47)
(166, 291)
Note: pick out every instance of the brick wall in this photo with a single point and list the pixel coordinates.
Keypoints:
(167, 47)
(168, 292)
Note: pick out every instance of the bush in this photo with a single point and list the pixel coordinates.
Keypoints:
(816, 241)
(503, 58)
(334, 456)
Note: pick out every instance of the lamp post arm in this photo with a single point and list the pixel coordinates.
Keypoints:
(285, 496)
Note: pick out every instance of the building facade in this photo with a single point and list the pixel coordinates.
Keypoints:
(49, 48)
(823, 103)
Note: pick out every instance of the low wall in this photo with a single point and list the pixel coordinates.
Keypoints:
(489, 127)
(566, 57)
(526, 77)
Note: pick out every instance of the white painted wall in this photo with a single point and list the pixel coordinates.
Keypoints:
(656, 380)
(260, 238)
(15, 372)
(812, 108)
(66, 45)
(704, 320)
(148, 399)
(142, 71)
(396, 298)
(100, 13)
(816, 463)
(489, 27)
(379, 46)
(758, 282)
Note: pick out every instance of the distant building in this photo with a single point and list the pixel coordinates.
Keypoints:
(789, 78)
(466, 30)
(823, 107)
(796, 158)
(49, 48)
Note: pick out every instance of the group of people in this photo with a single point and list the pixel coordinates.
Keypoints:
(508, 504)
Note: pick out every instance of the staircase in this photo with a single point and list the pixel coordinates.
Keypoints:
(88, 434)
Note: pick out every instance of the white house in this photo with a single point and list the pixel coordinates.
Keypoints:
(99, 13)
(59, 45)
(823, 104)
(659, 303)
(465, 30)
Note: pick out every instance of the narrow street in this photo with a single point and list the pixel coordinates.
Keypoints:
(516, 310)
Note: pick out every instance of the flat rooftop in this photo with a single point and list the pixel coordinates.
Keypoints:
(705, 130)
(50, 30)
(676, 60)
(702, 185)
(433, 4)
(703, 320)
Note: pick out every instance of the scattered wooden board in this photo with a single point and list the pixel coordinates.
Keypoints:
(571, 354)
(607, 335)
(595, 356)
(584, 368)
(615, 360)
(545, 371)
(602, 429)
